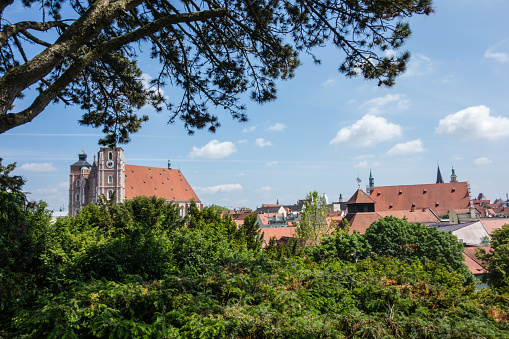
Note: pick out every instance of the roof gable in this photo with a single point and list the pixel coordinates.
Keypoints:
(170, 185)
(359, 197)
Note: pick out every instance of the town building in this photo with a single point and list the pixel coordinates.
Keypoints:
(109, 176)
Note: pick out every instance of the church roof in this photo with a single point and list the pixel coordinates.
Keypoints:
(360, 197)
(161, 182)
(440, 198)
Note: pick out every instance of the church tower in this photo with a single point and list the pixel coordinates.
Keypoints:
(78, 182)
(454, 178)
(110, 177)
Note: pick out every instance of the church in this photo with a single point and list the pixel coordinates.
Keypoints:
(108, 175)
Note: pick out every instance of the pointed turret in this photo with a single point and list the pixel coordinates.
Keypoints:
(439, 176)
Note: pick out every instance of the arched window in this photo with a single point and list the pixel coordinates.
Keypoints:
(110, 194)
(77, 182)
(110, 155)
(110, 179)
(77, 197)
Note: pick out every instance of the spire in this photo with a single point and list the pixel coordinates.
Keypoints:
(439, 176)
(371, 179)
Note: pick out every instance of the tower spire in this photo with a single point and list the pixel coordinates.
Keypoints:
(439, 176)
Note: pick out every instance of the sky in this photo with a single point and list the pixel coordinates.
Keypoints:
(451, 108)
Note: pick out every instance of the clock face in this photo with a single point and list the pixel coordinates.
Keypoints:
(109, 163)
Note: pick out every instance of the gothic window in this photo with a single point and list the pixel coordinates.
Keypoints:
(77, 182)
(77, 197)
(110, 179)
(110, 194)
(110, 155)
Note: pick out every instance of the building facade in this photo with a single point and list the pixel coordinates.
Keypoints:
(109, 176)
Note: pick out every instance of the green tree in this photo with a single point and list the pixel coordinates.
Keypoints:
(497, 259)
(314, 223)
(404, 240)
(86, 53)
(251, 232)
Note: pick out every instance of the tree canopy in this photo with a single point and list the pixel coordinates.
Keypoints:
(214, 51)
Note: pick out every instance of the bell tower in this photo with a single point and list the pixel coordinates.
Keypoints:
(111, 173)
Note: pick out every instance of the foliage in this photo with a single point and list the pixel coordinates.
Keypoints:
(132, 270)
(400, 239)
(497, 259)
(314, 223)
(344, 246)
(219, 208)
(86, 54)
(405, 240)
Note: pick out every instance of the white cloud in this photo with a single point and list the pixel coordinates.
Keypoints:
(272, 163)
(498, 52)
(419, 64)
(55, 195)
(474, 123)
(328, 82)
(362, 164)
(265, 189)
(482, 161)
(277, 127)
(407, 148)
(227, 188)
(38, 167)
(145, 80)
(364, 156)
(250, 129)
(262, 142)
(243, 141)
(368, 131)
(390, 53)
(390, 102)
(214, 150)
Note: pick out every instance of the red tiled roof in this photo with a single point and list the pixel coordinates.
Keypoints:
(161, 182)
(278, 232)
(361, 221)
(493, 224)
(425, 217)
(360, 197)
(441, 198)
(470, 259)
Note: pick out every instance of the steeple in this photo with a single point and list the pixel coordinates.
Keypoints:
(439, 176)
(454, 178)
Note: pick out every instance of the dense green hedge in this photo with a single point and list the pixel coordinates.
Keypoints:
(136, 270)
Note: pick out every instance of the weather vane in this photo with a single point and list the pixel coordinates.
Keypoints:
(358, 180)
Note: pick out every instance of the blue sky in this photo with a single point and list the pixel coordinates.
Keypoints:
(324, 130)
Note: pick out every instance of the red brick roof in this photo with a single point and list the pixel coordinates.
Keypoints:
(360, 197)
(161, 182)
(439, 197)
(426, 217)
(361, 221)
(474, 265)
(493, 224)
(278, 232)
